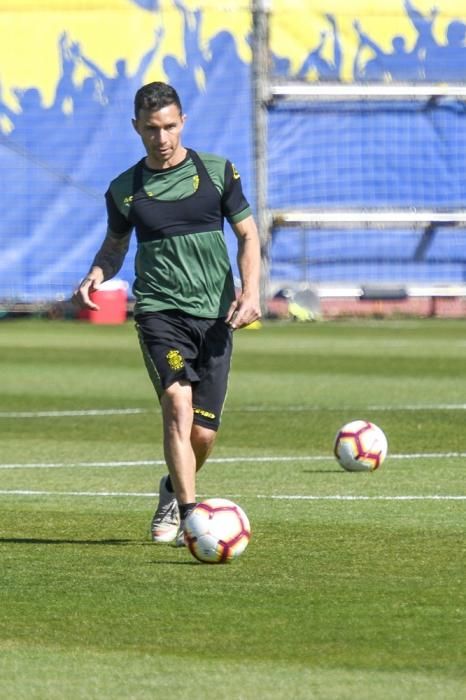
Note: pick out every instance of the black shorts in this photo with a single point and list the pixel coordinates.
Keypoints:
(176, 346)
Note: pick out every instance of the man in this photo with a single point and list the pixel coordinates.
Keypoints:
(186, 308)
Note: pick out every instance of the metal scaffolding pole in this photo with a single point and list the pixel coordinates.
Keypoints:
(260, 86)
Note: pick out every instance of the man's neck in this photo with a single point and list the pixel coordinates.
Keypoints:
(160, 164)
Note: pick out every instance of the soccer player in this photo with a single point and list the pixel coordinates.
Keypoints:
(186, 306)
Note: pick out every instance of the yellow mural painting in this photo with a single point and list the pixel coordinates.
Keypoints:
(298, 26)
(107, 31)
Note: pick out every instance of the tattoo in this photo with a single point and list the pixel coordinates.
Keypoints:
(111, 255)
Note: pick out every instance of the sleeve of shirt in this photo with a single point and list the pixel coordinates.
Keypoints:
(235, 206)
(118, 224)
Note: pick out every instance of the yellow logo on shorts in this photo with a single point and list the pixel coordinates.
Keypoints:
(175, 360)
(205, 414)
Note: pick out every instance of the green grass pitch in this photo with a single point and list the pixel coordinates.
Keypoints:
(353, 585)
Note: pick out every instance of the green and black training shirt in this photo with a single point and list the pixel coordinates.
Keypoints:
(178, 213)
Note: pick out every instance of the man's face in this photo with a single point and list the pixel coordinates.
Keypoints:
(160, 132)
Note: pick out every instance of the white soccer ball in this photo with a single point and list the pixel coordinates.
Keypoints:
(217, 531)
(360, 446)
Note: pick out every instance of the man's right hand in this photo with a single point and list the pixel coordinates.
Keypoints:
(90, 284)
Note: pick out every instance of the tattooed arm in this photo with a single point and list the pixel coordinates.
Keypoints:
(106, 264)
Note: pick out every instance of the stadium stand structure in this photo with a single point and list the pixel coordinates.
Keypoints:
(360, 187)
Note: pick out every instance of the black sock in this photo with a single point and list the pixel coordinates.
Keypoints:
(168, 484)
(185, 509)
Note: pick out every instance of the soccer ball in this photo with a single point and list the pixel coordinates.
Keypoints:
(217, 531)
(360, 446)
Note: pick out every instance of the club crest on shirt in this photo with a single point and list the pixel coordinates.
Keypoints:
(235, 172)
(195, 182)
(175, 360)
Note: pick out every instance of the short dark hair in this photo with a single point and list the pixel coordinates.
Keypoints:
(155, 96)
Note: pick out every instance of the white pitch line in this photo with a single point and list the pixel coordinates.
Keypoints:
(423, 407)
(91, 494)
(221, 460)
(84, 413)
(126, 494)
(429, 455)
(72, 414)
(157, 462)
(434, 497)
(370, 407)
(76, 465)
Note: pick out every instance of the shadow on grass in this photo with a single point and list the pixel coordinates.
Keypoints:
(105, 543)
(323, 471)
(172, 562)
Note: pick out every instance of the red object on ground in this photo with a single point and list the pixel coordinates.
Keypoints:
(112, 298)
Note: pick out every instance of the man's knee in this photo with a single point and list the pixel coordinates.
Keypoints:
(176, 403)
(202, 441)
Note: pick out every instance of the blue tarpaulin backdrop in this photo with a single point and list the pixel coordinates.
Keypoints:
(58, 155)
